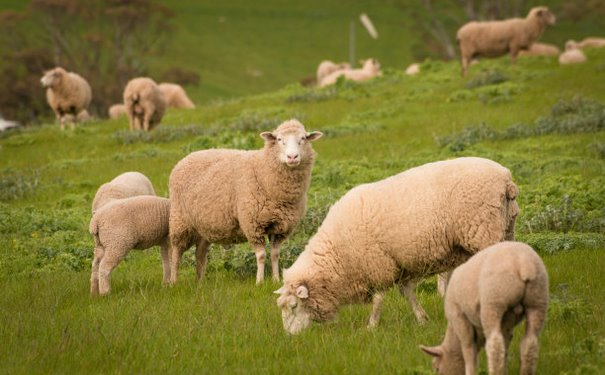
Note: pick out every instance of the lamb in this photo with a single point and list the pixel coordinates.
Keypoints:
(138, 222)
(541, 49)
(486, 298)
(328, 67)
(421, 222)
(572, 54)
(591, 42)
(230, 196)
(67, 93)
(116, 111)
(371, 69)
(145, 103)
(497, 38)
(128, 184)
(175, 96)
(412, 69)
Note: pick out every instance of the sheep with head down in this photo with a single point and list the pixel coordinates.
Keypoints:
(497, 38)
(231, 196)
(145, 104)
(421, 222)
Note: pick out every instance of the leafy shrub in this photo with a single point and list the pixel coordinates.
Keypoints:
(466, 137)
(551, 243)
(161, 135)
(306, 95)
(14, 185)
(490, 77)
(598, 148)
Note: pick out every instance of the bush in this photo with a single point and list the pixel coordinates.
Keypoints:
(15, 185)
(490, 77)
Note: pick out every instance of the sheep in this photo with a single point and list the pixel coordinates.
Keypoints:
(421, 222)
(145, 104)
(541, 49)
(487, 297)
(67, 93)
(497, 38)
(116, 111)
(591, 42)
(327, 67)
(175, 96)
(412, 69)
(138, 222)
(371, 69)
(230, 196)
(572, 54)
(128, 184)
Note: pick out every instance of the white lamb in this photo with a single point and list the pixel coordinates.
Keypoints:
(327, 67)
(138, 222)
(590, 42)
(572, 55)
(145, 104)
(497, 38)
(371, 69)
(486, 298)
(128, 184)
(541, 49)
(67, 93)
(175, 96)
(232, 196)
(421, 222)
(116, 111)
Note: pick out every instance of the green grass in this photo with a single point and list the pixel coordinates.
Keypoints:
(373, 130)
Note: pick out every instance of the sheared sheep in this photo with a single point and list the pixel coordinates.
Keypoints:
(116, 111)
(497, 38)
(67, 93)
(175, 96)
(128, 184)
(230, 196)
(145, 104)
(131, 223)
(421, 222)
(487, 297)
(541, 49)
(328, 67)
(370, 69)
(572, 54)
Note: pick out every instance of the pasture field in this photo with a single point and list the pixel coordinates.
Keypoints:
(544, 122)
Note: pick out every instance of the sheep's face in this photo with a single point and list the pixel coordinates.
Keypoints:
(444, 362)
(52, 77)
(295, 316)
(292, 144)
(544, 15)
(371, 65)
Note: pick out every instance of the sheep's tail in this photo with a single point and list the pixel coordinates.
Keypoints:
(512, 210)
(527, 270)
(93, 228)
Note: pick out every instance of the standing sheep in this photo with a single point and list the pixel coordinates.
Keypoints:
(175, 96)
(230, 196)
(67, 93)
(328, 67)
(486, 298)
(423, 221)
(572, 55)
(370, 69)
(497, 38)
(145, 104)
(116, 111)
(128, 184)
(131, 223)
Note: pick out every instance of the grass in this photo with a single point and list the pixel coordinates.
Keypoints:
(48, 179)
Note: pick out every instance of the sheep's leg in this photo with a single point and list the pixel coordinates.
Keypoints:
(495, 347)
(442, 279)
(466, 334)
(529, 344)
(276, 242)
(377, 300)
(131, 120)
(165, 251)
(201, 258)
(146, 120)
(464, 63)
(260, 252)
(94, 276)
(108, 263)
(408, 290)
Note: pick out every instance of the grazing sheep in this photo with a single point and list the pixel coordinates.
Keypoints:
(371, 69)
(131, 223)
(591, 42)
(486, 298)
(421, 222)
(412, 69)
(175, 96)
(541, 49)
(128, 184)
(328, 67)
(67, 93)
(497, 38)
(230, 196)
(145, 104)
(572, 54)
(116, 111)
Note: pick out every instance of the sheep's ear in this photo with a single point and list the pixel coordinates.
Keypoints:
(267, 136)
(433, 351)
(302, 292)
(312, 136)
(540, 12)
(279, 291)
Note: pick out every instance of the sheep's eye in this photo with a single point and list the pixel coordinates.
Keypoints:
(279, 139)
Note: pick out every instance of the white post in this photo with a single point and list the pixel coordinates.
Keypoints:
(352, 43)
